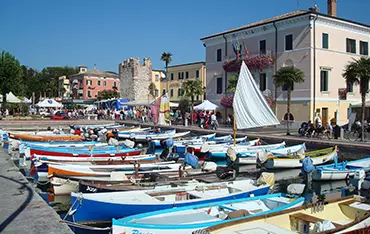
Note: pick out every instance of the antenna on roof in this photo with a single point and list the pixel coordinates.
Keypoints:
(314, 3)
(94, 66)
(297, 5)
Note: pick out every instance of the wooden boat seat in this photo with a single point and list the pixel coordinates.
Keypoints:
(309, 219)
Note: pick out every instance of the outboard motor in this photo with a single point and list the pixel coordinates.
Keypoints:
(359, 176)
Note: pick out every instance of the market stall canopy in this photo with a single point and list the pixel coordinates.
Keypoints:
(206, 105)
(11, 98)
(49, 103)
(26, 100)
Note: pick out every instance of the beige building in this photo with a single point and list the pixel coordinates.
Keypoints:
(64, 88)
(157, 76)
(178, 74)
(319, 44)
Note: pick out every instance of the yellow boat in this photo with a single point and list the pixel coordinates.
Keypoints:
(345, 214)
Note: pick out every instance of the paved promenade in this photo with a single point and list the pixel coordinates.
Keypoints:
(22, 210)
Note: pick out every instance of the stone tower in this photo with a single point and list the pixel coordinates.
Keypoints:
(135, 78)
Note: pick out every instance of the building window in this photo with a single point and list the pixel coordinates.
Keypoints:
(197, 97)
(98, 82)
(219, 85)
(263, 81)
(105, 83)
(181, 75)
(156, 77)
(351, 46)
(197, 74)
(163, 91)
(324, 80)
(88, 93)
(349, 88)
(325, 41)
(263, 47)
(289, 42)
(179, 93)
(219, 55)
(171, 76)
(187, 75)
(88, 82)
(364, 48)
(156, 92)
(114, 84)
(171, 93)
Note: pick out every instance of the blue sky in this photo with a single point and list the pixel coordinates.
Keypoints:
(43, 33)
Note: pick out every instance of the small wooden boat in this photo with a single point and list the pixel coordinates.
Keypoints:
(103, 151)
(121, 204)
(336, 216)
(148, 136)
(107, 170)
(197, 139)
(191, 218)
(340, 171)
(219, 153)
(28, 137)
(77, 160)
(250, 157)
(294, 161)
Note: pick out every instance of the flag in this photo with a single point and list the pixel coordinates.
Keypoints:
(164, 110)
(245, 48)
(234, 48)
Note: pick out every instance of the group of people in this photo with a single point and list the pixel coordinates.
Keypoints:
(206, 119)
(314, 129)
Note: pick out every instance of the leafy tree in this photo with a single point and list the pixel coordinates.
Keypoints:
(287, 76)
(231, 84)
(167, 58)
(107, 94)
(358, 72)
(152, 89)
(191, 89)
(10, 75)
(184, 105)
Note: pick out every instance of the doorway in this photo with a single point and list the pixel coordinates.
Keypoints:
(324, 116)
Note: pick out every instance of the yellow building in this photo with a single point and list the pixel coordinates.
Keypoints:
(157, 76)
(178, 74)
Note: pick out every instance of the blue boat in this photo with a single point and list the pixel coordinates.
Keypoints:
(188, 219)
(106, 206)
(340, 171)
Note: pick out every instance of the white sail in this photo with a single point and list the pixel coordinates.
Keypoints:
(250, 106)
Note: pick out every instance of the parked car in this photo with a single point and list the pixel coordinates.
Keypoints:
(59, 115)
(44, 112)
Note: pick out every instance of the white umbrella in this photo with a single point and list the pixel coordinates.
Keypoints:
(49, 103)
(26, 100)
(206, 105)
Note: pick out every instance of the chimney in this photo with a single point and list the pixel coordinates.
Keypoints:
(82, 69)
(332, 8)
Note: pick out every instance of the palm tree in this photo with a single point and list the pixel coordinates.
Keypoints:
(231, 85)
(191, 89)
(152, 89)
(358, 72)
(286, 77)
(166, 57)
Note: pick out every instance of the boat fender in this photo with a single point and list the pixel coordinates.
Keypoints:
(205, 148)
(231, 153)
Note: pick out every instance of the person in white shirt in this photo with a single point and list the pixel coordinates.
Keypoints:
(214, 123)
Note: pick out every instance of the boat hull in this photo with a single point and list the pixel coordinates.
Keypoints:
(87, 210)
(130, 152)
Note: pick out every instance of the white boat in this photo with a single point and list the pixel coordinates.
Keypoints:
(337, 216)
(73, 160)
(294, 161)
(120, 204)
(147, 136)
(339, 171)
(250, 157)
(188, 219)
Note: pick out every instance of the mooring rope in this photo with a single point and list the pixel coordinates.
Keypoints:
(82, 226)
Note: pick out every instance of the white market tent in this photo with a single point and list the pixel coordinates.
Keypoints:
(11, 98)
(26, 100)
(206, 105)
(49, 103)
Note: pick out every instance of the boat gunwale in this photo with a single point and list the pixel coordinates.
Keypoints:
(336, 200)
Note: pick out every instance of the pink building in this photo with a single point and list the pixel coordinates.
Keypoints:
(87, 84)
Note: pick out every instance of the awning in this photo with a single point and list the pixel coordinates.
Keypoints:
(206, 105)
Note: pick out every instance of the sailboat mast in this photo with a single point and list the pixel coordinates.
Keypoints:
(234, 130)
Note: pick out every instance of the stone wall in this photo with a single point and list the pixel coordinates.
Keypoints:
(135, 78)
